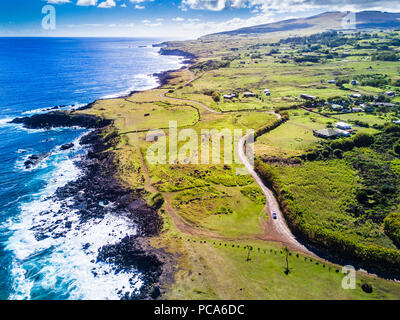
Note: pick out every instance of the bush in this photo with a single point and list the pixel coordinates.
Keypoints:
(392, 227)
(216, 96)
(396, 148)
(363, 140)
(338, 153)
(373, 256)
(367, 288)
(157, 201)
(343, 144)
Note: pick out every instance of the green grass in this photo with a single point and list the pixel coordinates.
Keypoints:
(294, 137)
(323, 191)
(214, 271)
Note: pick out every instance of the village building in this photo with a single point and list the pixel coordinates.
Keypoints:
(343, 125)
(230, 96)
(343, 133)
(390, 94)
(382, 104)
(307, 97)
(248, 94)
(354, 82)
(326, 133)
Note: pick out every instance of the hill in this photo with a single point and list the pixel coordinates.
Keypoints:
(321, 22)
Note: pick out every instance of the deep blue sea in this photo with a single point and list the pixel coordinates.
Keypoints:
(39, 73)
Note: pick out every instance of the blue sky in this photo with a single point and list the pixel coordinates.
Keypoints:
(173, 19)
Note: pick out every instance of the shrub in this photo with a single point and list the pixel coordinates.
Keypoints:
(216, 96)
(157, 201)
(343, 144)
(363, 140)
(338, 153)
(373, 256)
(367, 288)
(392, 227)
(396, 148)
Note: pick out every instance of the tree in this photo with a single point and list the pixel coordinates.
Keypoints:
(287, 252)
(338, 153)
(396, 148)
(363, 140)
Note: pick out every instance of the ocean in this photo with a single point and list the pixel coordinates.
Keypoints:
(40, 258)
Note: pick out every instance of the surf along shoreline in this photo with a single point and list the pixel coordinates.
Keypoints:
(99, 186)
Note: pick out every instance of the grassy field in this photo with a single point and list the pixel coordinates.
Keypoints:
(324, 191)
(212, 269)
(211, 200)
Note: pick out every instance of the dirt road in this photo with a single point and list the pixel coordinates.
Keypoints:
(279, 225)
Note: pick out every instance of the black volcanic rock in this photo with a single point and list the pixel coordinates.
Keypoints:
(67, 146)
(61, 119)
(35, 159)
(176, 52)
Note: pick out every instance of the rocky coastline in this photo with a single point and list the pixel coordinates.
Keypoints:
(99, 186)
(98, 191)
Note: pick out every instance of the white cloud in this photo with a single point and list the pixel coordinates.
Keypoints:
(107, 4)
(58, 1)
(178, 19)
(291, 5)
(86, 3)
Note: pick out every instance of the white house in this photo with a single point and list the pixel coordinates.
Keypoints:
(354, 82)
(343, 126)
(230, 96)
(390, 94)
(343, 133)
(248, 94)
(267, 92)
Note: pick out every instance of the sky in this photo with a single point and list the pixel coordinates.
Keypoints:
(170, 19)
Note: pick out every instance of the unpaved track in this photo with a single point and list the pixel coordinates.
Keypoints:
(279, 225)
(274, 230)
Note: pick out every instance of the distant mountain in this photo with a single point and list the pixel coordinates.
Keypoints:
(324, 21)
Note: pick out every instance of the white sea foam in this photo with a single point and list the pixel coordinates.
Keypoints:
(53, 259)
(6, 122)
(142, 82)
(45, 110)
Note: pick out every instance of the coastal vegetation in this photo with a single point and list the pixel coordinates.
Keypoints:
(339, 195)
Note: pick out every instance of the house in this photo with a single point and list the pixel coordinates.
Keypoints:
(382, 104)
(267, 92)
(390, 94)
(396, 121)
(248, 94)
(343, 125)
(357, 110)
(355, 96)
(326, 133)
(343, 133)
(230, 96)
(307, 97)
(354, 82)
(332, 81)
